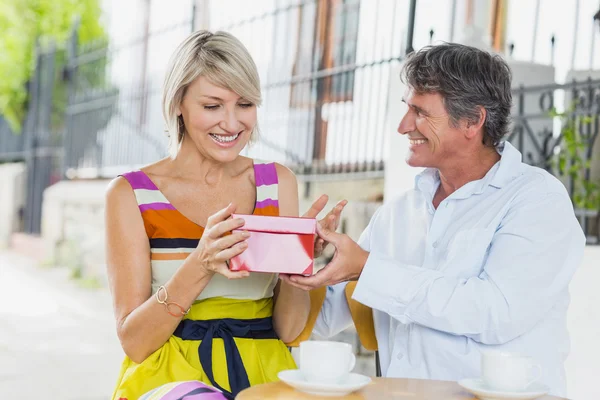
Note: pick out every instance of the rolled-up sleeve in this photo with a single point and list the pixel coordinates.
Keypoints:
(532, 258)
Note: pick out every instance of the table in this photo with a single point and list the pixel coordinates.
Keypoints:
(378, 389)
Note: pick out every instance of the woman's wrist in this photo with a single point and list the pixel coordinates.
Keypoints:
(194, 270)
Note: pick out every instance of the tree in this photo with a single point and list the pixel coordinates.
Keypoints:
(24, 23)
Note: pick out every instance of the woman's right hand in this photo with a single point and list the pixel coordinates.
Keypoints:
(216, 248)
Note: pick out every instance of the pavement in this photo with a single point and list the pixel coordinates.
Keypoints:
(57, 340)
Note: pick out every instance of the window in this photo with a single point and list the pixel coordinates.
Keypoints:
(327, 38)
(345, 35)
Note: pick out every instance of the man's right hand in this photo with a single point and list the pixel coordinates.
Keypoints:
(347, 263)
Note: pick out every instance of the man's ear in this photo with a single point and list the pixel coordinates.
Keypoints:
(474, 127)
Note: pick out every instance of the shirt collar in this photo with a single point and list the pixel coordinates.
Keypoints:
(427, 181)
(509, 166)
(504, 171)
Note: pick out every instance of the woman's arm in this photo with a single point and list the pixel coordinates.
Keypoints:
(143, 324)
(292, 305)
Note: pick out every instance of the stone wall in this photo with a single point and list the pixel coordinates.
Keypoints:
(13, 180)
(73, 227)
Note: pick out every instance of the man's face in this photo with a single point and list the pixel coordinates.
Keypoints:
(433, 141)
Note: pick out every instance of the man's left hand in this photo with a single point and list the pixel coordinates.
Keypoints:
(347, 263)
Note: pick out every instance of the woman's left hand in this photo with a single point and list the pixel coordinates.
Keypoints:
(330, 222)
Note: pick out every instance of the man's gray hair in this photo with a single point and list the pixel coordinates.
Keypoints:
(466, 78)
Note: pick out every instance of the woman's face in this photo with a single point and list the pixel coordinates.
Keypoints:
(217, 121)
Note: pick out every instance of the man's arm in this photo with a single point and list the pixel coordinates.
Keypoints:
(532, 259)
(335, 314)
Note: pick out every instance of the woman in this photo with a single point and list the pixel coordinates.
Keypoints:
(168, 236)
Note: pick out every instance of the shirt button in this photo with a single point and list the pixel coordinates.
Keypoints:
(434, 244)
(399, 356)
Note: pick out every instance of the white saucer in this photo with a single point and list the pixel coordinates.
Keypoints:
(482, 391)
(295, 379)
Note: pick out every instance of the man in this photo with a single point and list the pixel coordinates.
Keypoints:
(479, 255)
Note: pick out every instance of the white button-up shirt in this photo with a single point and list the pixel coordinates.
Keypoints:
(488, 269)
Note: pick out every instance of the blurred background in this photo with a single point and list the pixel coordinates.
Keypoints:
(80, 89)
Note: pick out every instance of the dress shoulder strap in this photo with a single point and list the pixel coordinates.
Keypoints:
(267, 186)
(147, 194)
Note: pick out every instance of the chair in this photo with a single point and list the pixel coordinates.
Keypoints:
(365, 327)
(317, 298)
(362, 316)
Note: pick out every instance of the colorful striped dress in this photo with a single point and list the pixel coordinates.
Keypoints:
(233, 317)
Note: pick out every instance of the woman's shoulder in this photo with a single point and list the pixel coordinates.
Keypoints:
(285, 175)
(274, 171)
(125, 184)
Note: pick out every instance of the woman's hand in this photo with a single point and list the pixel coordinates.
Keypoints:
(216, 247)
(330, 222)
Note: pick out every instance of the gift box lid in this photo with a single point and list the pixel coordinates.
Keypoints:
(292, 225)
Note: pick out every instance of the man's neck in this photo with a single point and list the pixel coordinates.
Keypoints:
(463, 171)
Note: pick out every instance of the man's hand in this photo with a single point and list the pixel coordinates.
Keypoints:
(347, 263)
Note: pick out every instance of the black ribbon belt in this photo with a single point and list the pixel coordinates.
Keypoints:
(226, 329)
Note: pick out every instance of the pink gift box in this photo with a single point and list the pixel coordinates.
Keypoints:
(277, 245)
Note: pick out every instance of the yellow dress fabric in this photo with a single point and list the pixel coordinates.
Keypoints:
(177, 360)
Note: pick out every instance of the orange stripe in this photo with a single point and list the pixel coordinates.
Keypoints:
(268, 210)
(170, 224)
(169, 256)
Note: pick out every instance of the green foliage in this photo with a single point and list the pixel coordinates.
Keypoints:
(25, 22)
(571, 160)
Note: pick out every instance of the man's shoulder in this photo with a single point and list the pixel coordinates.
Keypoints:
(537, 181)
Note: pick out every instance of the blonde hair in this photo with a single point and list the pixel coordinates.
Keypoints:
(223, 60)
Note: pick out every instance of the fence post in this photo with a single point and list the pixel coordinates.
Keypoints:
(43, 151)
(521, 144)
(194, 11)
(29, 129)
(70, 76)
(411, 27)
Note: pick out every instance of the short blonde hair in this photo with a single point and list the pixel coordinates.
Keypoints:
(223, 60)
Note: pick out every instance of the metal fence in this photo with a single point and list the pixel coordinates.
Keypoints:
(12, 146)
(325, 74)
(324, 103)
(113, 114)
(556, 128)
(39, 144)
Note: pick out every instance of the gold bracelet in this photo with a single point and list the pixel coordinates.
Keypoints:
(179, 311)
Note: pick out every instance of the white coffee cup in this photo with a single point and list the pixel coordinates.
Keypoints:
(510, 372)
(326, 362)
